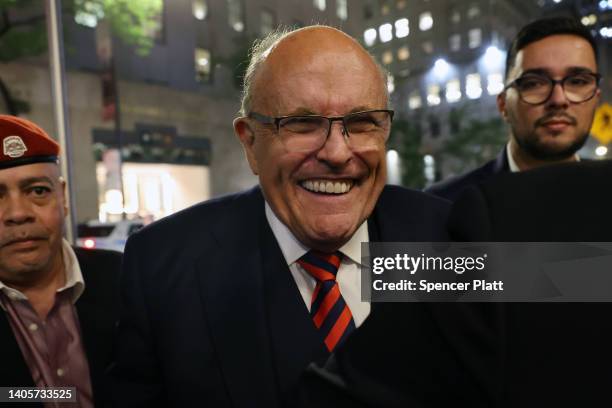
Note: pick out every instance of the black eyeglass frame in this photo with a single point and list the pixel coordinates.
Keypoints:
(554, 83)
(269, 120)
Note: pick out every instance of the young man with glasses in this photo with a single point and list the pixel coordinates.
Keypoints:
(551, 92)
(228, 301)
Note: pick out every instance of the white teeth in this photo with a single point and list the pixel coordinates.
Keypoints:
(329, 187)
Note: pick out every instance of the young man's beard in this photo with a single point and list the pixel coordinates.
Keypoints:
(531, 145)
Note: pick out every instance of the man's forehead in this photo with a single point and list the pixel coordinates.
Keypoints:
(559, 53)
(42, 171)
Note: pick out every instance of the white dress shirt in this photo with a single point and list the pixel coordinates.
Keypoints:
(349, 273)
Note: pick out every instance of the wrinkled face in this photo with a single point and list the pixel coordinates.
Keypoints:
(32, 210)
(323, 73)
(557, 128)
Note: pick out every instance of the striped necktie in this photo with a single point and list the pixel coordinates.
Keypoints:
(329, 312)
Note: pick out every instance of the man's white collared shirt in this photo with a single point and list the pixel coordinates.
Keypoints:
(349, 273)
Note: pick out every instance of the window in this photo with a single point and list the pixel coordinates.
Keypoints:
(434, 126)
(387, 57)
(414, 100)
(390, 84)
(401, 4)
(455, 17)
(453, 91)
(368, 12)
(234, 15)
(454, 42)
(428, 47)
(342, 9)
(202, 65)
(425, 21)
(401, 28)
(90, 13)
(384, 7)
(495, 83)
(319, 4)
(369, 36)
(267, 22)
(474, 38)
(473, 90)
(473, 11)
(403, 53)
(433, 95)
(385, 32)
(200, 9)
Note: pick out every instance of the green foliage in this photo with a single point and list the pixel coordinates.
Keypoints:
(475, 143)
(407, 138)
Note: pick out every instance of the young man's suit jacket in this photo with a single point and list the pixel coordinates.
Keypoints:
(212, 315)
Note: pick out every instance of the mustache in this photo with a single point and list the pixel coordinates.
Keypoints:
(22, 235)
(556, 115)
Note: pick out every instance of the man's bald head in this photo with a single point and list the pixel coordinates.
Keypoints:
(284, 49)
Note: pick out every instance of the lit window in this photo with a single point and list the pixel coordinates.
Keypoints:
(319, 4)
(473, 11)
(202, 65)
(400, 4)
(89, 14)
(401, 28)
(472, 86)
(234, 14)
(495, 84)
(453, 91)
(267, 22)
(342, 9)
(414, 100)
(433, 95)
(428, 47)
(425, 21)
(387, 57)
(455, 17)
(390, 83)
(200, 9)
(369, 36)
(474, 38)
(403, 53)
(454, 42)
(385, 32)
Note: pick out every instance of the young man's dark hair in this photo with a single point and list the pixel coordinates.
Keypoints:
(543, 28)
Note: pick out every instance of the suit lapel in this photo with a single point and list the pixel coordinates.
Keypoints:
(232, 296)
(295, 340)
(15, 371)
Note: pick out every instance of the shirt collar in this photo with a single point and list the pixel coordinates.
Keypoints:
(514, 168)
(74, 277)
(293, 249)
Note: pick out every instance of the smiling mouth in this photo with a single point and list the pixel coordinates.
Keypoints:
(327, 186)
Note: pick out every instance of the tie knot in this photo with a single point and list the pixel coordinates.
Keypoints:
(321, 266)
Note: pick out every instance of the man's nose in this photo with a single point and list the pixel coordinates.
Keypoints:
(336, 150)
(17, 210)
(557, 97)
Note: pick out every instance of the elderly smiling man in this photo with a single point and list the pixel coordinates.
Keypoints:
(225, 303)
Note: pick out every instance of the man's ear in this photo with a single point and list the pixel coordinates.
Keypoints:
(501, 105)
(64, 197)
(246, 135)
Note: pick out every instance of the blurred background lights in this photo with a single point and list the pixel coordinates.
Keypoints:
(601, 151)
(441, 68)
(369, 36)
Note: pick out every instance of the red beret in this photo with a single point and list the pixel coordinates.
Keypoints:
(23, 142)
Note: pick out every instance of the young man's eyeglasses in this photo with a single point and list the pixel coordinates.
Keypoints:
(309, 132)
(536, 89)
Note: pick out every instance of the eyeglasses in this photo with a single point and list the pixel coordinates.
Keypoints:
(536, 89)
(309, 132)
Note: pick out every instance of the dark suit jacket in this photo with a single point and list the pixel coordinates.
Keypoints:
(97, 309)
(487, 354)
(212, 315)
(452, 188)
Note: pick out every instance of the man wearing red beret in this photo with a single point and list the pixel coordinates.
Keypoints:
(58, 303)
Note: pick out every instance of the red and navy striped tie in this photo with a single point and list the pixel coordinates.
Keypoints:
(329, 312)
